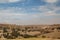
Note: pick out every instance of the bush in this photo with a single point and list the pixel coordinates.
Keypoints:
(43, 36)
(26, 36)
(58, 38)
(29, 36)
(5, 36)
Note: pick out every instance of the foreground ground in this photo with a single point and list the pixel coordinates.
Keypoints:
(40, 39)
(31, 39)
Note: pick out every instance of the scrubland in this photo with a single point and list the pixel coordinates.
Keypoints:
(29, 32)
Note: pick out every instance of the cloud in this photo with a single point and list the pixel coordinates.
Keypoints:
(50, 1)
(47, 10)
(10, 1)
(10, 16)
(12, 12)
(42, 14)
(51, 13)
(13, 0)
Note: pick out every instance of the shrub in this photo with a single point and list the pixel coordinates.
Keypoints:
(58, 38)
(43, 36)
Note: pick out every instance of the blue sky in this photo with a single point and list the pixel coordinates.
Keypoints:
(27, 12)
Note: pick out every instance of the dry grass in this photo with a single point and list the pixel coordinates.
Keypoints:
(31, 39)
(53, 35)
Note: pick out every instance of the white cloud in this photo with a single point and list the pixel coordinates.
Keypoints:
(13, 0)
(10, 16)
(14, 15)
(48, 10)
(51, 1)
(9, 1)
(51, 13)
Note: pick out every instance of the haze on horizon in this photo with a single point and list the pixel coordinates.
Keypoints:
(27, 12)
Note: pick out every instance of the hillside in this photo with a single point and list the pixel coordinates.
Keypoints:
(13, 31)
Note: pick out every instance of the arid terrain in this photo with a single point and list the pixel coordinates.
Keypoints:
(29, 32)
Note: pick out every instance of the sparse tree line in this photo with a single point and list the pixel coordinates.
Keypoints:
(15, 32)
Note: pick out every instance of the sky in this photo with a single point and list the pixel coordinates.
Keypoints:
(30, 12)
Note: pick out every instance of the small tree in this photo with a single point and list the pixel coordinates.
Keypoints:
(15, 33)
(26, 30)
